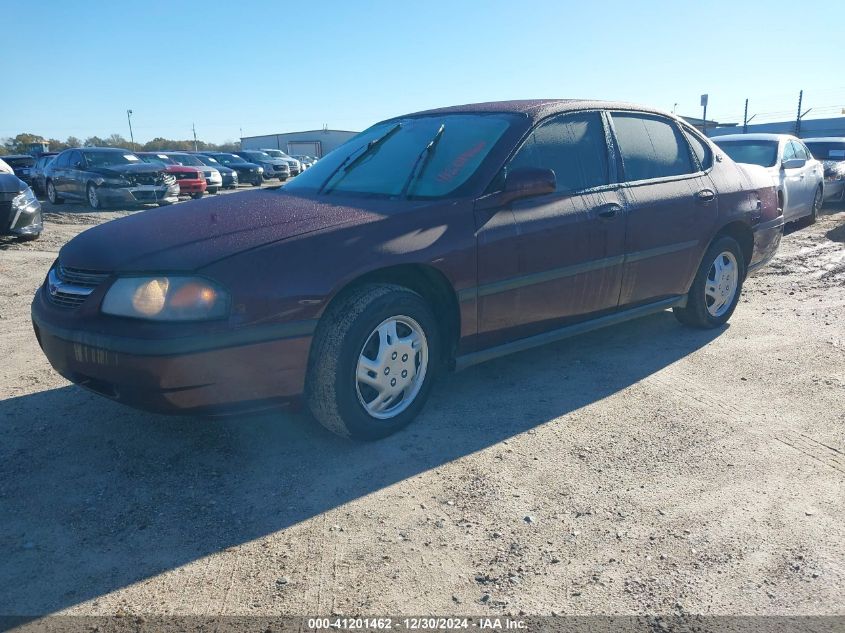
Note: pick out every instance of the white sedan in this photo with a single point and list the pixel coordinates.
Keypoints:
(799, 177)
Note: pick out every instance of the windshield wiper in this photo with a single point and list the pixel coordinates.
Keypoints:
(422, 159)
(369, 148)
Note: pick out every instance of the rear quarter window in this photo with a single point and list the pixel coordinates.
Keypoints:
(651, 147)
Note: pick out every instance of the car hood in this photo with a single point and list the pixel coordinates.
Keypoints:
(195, 234)
(126, 170)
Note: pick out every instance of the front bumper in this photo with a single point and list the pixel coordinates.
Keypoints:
(20, 223)
(230, 180)
(191, 186)
(834, 190)
(142, 194)
(239, 370)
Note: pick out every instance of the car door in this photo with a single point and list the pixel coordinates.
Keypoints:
(58, 172)
(671, 203)
(556, 258)
(809, 177)
(74, 181)
(792, 183)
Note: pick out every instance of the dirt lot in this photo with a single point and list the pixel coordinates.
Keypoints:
(647, 468)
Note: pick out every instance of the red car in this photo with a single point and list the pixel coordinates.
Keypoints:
(428, 242)
(191, 180)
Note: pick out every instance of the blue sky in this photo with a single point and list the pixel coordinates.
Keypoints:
(232, 65)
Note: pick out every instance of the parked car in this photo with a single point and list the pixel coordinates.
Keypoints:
(191, 180)
(429, 241)
(294, 165)
(273, 167)
(213, 179)
(247, 172)
(305, 161)
(22, 165)
(20, 211)
(799, 177)
(229, 175)
(39, 184)
(105, 176)
(831, 152)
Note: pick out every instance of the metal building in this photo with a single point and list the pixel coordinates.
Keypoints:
(309, 143)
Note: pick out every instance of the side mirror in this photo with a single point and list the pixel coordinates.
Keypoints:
(527, 182)
(793, 163)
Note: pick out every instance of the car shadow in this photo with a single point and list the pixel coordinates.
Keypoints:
(95, 496)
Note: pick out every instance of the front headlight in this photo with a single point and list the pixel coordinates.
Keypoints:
(25, 202)
(166, 299)
(112, 182)
(260, 170)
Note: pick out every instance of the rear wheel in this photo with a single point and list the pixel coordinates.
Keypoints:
(52, 195)
(715, 291)
(373, 360)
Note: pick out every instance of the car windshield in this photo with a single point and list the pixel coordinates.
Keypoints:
(764, 153)
(228, 158)
(108, 159)
(157, 158)
(826, 150)
(274, 153)
(186, 159)
(421, 157)
(259, 155)
(208, 160)
(19, 161)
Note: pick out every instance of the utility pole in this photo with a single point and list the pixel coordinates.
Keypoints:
(704, 117)
(131, 135)
(801, 115)
(745, 119)
(194, 128)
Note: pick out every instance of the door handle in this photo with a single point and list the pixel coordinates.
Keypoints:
(706, 195)
(608, 210)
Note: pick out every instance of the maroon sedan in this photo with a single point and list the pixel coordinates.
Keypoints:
(428, 242)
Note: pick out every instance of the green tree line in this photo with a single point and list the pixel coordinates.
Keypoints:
(20, 144)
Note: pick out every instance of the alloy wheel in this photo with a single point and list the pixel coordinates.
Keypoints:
(93, 199)
(721, 284)
(391, 367)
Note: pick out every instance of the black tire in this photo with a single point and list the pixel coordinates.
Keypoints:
(196, 195)
(818, 201)
(29, 238)
(52, 195)
(331, 391)
(695, 313)
(93, 200)
(211, 190)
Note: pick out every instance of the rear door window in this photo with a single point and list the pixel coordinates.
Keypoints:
(651, 147)
(573, 146)
(702, 152)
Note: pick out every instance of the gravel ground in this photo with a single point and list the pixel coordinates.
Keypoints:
(646, 468)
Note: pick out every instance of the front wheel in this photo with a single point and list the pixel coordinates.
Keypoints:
(93, 197)
(373, 360)
(818, 200)
(715, 291)
(196, 195)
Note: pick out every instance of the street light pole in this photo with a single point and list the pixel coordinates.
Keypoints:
(131, 135)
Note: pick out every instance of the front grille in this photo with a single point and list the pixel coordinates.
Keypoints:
(152, 179)
(5, 216)
(72, 286)
(185, 175)
(80, 277)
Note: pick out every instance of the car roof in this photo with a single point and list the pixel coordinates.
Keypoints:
(536, 109)
(825, 139)
(102, 149)
(18, 156)
(753, 137)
